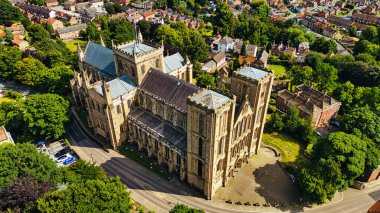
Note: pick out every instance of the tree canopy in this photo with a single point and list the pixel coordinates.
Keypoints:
(181, 208)
(21, 160)
(108, 195)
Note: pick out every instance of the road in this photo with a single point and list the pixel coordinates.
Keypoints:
(150, 190)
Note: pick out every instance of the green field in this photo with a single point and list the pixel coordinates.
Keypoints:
(290, 149)
(278, 69)
(72, 45)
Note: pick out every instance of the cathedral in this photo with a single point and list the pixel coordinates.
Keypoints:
(133, 94)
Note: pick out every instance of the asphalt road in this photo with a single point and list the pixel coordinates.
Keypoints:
(152, 191)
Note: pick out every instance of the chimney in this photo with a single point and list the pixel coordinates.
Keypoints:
(106, 92)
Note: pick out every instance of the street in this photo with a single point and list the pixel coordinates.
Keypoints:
(155, 193)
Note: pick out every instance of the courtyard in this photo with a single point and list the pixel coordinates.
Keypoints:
(261, 181)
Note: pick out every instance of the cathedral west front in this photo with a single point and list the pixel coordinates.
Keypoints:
(133, 94)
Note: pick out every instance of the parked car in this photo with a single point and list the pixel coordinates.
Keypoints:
(63, 158)
(62, 152)
(69, 160)
(335, 123)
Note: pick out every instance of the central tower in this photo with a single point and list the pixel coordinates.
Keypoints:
(136, 57)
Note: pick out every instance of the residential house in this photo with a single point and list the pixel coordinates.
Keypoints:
(56, 24)
(251, 49)
(366, 19)
(263, 60)
(5, 137)
(358, 2)
(70, 32)
(311, 103)
(36, 10)
(122, 15)
(217, 62)
(332, 33)
(51, 3)
(148, 15)
(323, 14)
(224, 45)
(69, 6)
(21, 44)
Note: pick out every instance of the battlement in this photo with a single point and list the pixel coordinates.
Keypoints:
(137, 50)
(252, 74)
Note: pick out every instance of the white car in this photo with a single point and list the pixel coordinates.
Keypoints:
(63, 158)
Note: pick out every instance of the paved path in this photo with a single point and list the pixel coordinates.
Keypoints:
(157, 194)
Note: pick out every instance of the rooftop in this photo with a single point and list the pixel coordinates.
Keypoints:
(134, 47)
(211, 99)
(163, 129)
(173, 62)
(253, 73)
(118, 86)
(100, 57)
(72, 28)
(168, 88)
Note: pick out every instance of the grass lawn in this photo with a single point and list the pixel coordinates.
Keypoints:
(278, 69)
(72, 45)
(132, 153)
(291, 150)
(5, 99)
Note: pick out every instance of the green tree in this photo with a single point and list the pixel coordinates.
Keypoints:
(118, 7)
(21, 160)
(8, 35)
(313, 59)
(29, 71)
(8, 58)
(38, 33)
(85, 170)
(37, 2)
(370, 34)
(330, 46)
(181, 208)
(292, 120)
(224, 19)
(301, 75)
(56, 80)
(275, 123)
(365, 120)
(110, 9)
(46, 116)
(48, 27)
(108, 195)
(243, 49)
(9, 13)
(121, 30)
(325, 77)
(352, 30)
(206, 80)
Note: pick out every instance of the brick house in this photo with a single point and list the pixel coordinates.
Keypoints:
(51, 3)
(311, 103)
(71, 31)
(366, 19)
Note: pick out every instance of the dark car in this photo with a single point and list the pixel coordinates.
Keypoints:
(62, 152)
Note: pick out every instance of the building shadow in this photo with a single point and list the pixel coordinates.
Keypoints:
(138, 177)
(277, 188)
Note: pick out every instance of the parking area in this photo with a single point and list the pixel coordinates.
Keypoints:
(261, 181)
(59, 151)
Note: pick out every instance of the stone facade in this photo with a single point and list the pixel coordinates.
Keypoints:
(199, 134)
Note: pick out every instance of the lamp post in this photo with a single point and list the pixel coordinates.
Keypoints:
(92, 158)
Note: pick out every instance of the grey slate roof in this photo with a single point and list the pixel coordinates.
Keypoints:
(168, 88)
(101, 58)
(211, 99)
(165, 130)
(253, 73)
(118, 86)
(138, 48)
(71, 28)
(173, 62)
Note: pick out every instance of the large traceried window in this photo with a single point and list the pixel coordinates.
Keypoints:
(141, 100)
(220, 147)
